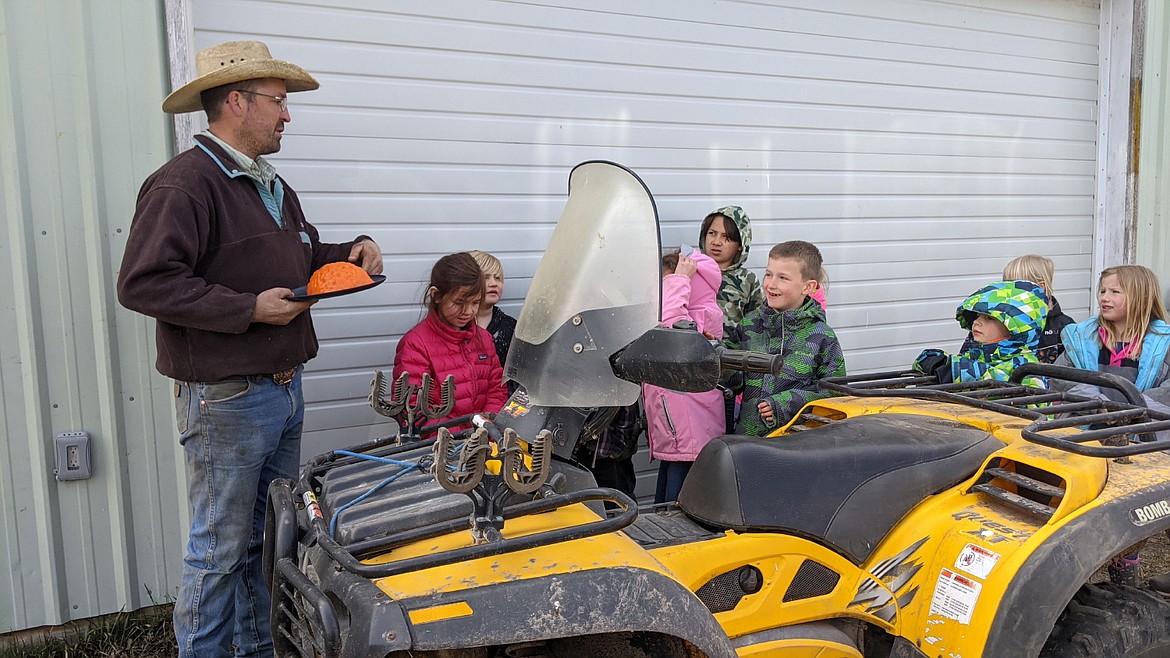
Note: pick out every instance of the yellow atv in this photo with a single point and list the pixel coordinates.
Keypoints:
(900, 518)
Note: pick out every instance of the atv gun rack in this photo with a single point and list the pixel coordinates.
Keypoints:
(1123, 428)
(410, 401)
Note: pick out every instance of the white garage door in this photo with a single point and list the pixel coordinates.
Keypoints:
(921, 144)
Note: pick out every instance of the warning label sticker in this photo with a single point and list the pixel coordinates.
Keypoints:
(976, 560)
(954, 596)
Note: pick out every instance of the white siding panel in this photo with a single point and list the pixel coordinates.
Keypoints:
(920, 143)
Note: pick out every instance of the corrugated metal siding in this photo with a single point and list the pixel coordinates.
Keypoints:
(920, 144)
(1153, 216)
(79, 98)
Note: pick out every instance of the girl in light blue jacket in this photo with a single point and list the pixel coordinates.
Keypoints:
(1130, 338)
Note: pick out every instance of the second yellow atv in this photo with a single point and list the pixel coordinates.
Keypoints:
(899, 518)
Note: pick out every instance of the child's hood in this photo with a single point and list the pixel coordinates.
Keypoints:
(704, 300)
(706, 281)
(744, 223)
(1022, 306)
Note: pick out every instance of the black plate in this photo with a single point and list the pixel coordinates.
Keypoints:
(301, 294)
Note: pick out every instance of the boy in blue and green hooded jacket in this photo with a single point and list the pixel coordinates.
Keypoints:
(1006, 320)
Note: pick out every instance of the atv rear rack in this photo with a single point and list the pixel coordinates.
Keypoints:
(1123, 428)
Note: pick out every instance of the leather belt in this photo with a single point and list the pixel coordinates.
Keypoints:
(283, 377)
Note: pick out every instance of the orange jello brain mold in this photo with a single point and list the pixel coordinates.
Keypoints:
(337, 276)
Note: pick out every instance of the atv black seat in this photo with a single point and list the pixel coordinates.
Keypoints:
(846, 483)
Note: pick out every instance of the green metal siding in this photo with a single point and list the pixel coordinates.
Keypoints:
(1153, 192)
(80, 128)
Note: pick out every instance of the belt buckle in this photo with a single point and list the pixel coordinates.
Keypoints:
(283, 377)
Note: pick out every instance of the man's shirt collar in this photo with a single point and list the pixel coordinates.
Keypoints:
(259, 169)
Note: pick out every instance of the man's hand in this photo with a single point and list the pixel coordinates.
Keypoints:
(367, 255)
(274, 307)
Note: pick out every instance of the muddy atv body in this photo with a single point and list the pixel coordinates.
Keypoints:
(898, 518)
(937, 528)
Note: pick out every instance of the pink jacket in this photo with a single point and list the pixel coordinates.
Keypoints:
(435, 347)
(680, 424)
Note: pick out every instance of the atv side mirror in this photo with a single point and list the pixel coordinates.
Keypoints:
(678, 359)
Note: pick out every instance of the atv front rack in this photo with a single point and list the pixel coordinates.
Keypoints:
(305, 620)
(348, 556)
(287, 527)
(1123, 428)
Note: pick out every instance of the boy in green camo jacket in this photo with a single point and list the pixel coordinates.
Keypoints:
(790, 323)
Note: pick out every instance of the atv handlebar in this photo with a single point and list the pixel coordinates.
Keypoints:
(749, 361)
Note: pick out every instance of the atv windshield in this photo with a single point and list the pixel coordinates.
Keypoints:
(596, 289)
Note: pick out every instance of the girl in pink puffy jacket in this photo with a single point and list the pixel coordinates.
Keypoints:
(680, 424)
(449, 342)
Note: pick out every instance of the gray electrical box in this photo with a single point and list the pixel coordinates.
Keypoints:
(72, 456)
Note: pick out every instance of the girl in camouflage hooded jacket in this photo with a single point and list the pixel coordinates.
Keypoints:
(726, 236)
(1018, 311)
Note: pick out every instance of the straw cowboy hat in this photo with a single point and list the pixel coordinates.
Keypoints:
(235, 61)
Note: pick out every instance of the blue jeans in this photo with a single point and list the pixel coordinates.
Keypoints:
(238, 435)
(670, 480)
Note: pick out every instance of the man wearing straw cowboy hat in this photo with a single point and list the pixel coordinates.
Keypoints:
(217, 242)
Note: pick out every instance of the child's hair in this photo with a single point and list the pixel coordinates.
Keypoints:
(805, 252)
(1143, 296)
(823, 279)
(450, 273)
(488, 263)
(669, 262)
(1034, 268)
(732, 227)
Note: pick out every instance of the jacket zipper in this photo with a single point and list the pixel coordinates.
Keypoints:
(666, 413)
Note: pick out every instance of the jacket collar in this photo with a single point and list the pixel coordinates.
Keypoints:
(453, 334)
(809, 311)
(1085, 349)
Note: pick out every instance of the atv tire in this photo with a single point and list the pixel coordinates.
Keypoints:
(1111, 620)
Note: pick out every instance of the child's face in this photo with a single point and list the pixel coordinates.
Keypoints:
(986, 329)
(1112, 299)
(718, 245)
(494, 288)
(460, 306)
(784, 285)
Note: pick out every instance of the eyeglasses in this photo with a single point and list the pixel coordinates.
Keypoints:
(282, 101)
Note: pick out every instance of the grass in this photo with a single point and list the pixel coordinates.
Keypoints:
(142, 634)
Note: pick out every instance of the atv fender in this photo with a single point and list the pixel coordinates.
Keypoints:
(593, 602)
(1049, 578)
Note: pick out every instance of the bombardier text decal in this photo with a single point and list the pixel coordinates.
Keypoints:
(1147, 514)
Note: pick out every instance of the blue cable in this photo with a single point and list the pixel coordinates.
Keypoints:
(406, 468)
(384, 460)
